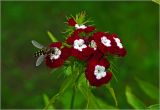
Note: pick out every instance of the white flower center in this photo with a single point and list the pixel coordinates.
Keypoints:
(119, 44)
(105, 41)
(79, 44)
(99, 72)
(77, 26)
(55, 54)
(93, 44)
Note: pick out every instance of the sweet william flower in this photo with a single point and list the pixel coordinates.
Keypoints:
(88, 29)
(80, 27)
(118, 48)
(103, 41)
(91, 42)
(79, 48)
(57, 57)
(87, 45)
(96, 72)
(71, 22)
(109, 43)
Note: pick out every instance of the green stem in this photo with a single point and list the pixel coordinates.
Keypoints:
(65, 44)
(74, 86)
(73, 97)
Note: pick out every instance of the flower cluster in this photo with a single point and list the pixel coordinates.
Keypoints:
(87, 44)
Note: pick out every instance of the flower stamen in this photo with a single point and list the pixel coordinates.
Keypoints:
(93, 45)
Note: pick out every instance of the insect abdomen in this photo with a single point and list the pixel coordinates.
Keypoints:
(38, 53)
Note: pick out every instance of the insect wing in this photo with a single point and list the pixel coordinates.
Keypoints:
(40, 60)
(36, 44)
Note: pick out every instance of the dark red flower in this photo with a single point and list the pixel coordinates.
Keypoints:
(66, 52)
(91, 42)
(56, 44)
(118, 47)
(96, 72)
(109, 44)
(79, 49)
(89, 29)
(70, 40)
(96, 56)
(80, 27)
(71, 22)
(57, 57)
(54, 63)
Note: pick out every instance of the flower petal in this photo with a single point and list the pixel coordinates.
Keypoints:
(54, 63)
(56, 44)
(97, 80)
(71, 22)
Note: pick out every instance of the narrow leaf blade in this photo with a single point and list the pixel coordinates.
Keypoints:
(53, 38)
(148, 88)
(46, 101)
(133, 100)
(155, 106)
(66, 84)
(91, 101)
(111, 90)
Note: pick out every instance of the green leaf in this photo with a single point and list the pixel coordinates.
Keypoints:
(133, 100)
(104, 105)
(56, 70)
(155, 106)
(91, 100)
(80, 17)
(156, 1)
(68, 70)
(149, 89)
(66, 84)
(53, 38)
(46, 101)
(113, 69)
(111, 90)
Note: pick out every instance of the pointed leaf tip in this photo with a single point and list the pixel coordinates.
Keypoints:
(53, 38)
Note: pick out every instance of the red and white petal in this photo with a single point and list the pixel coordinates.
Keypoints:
(98, 77)
(77, 26)
(57, 58)
(54, 63)
(82, 55)
(87, 29)
(103, 41)
(118, 47)
(72, 38)
(94, 82)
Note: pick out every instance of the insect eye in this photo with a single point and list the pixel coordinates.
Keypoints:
(52, 52)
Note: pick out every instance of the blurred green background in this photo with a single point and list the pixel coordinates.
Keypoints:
(23, 84)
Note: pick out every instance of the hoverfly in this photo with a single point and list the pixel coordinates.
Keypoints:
(43, 52)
